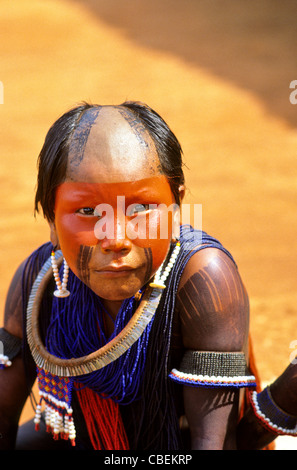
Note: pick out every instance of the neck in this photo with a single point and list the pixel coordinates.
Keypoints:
(112, 308)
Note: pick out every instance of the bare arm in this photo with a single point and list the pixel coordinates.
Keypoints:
(214, 314)
(13, 385)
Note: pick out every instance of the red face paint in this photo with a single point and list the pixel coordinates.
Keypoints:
(138, 228)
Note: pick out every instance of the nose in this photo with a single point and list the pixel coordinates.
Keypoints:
(119, 242)
(115, 245)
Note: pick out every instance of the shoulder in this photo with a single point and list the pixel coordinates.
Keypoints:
(209, 263)
(212, 303)
(13, 313)
(20, 288)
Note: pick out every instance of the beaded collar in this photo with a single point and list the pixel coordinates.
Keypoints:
(111, 350)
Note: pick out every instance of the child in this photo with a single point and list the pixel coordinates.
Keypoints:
(138, 341)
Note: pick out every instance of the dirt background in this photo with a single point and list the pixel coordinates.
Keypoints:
(219, 72)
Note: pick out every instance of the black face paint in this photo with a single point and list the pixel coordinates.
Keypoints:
(149, 259)
(84, 257)
(80, 136)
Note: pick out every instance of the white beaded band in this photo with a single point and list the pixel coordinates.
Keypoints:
(212, 381)
(10, 347)
(4, 361)
(271, 416)
(213, 369)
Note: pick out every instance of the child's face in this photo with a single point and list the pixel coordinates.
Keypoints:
(109, 236)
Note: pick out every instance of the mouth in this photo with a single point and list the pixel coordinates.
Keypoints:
(115, 271)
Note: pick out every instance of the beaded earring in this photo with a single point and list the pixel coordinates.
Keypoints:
(176, 224)
(61, 286)
(160, 277)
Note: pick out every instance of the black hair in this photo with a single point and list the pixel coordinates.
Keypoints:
(52, 160)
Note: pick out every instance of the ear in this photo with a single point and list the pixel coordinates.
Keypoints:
(176, 215)
(53, 235)
(176, 223)
(181, 191)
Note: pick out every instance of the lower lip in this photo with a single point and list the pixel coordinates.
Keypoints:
(113, 274)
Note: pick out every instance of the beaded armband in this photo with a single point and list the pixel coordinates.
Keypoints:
(271, 416)
(10, 346)
(213, 369)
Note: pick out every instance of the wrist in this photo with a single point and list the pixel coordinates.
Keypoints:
(283, 390)
(271, 415)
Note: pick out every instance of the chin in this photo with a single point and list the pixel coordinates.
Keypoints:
(116, 294)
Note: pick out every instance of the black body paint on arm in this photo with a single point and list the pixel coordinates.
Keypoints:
(213, 306)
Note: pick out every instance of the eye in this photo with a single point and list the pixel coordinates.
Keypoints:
(135, 209)
(86, 211)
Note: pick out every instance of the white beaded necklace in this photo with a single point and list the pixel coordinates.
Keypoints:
(160, 277)
(61, 286)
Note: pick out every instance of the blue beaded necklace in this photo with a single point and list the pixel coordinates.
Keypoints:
(77, 329)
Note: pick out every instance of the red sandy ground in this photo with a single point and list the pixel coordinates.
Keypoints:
(219, 73)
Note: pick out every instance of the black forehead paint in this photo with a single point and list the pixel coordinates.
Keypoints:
(140, 132)
(80, 136)
(136, 125)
